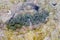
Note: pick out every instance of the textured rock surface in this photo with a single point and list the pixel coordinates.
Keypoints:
(46, 31)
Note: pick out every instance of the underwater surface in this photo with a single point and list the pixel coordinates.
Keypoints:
(29, 19)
